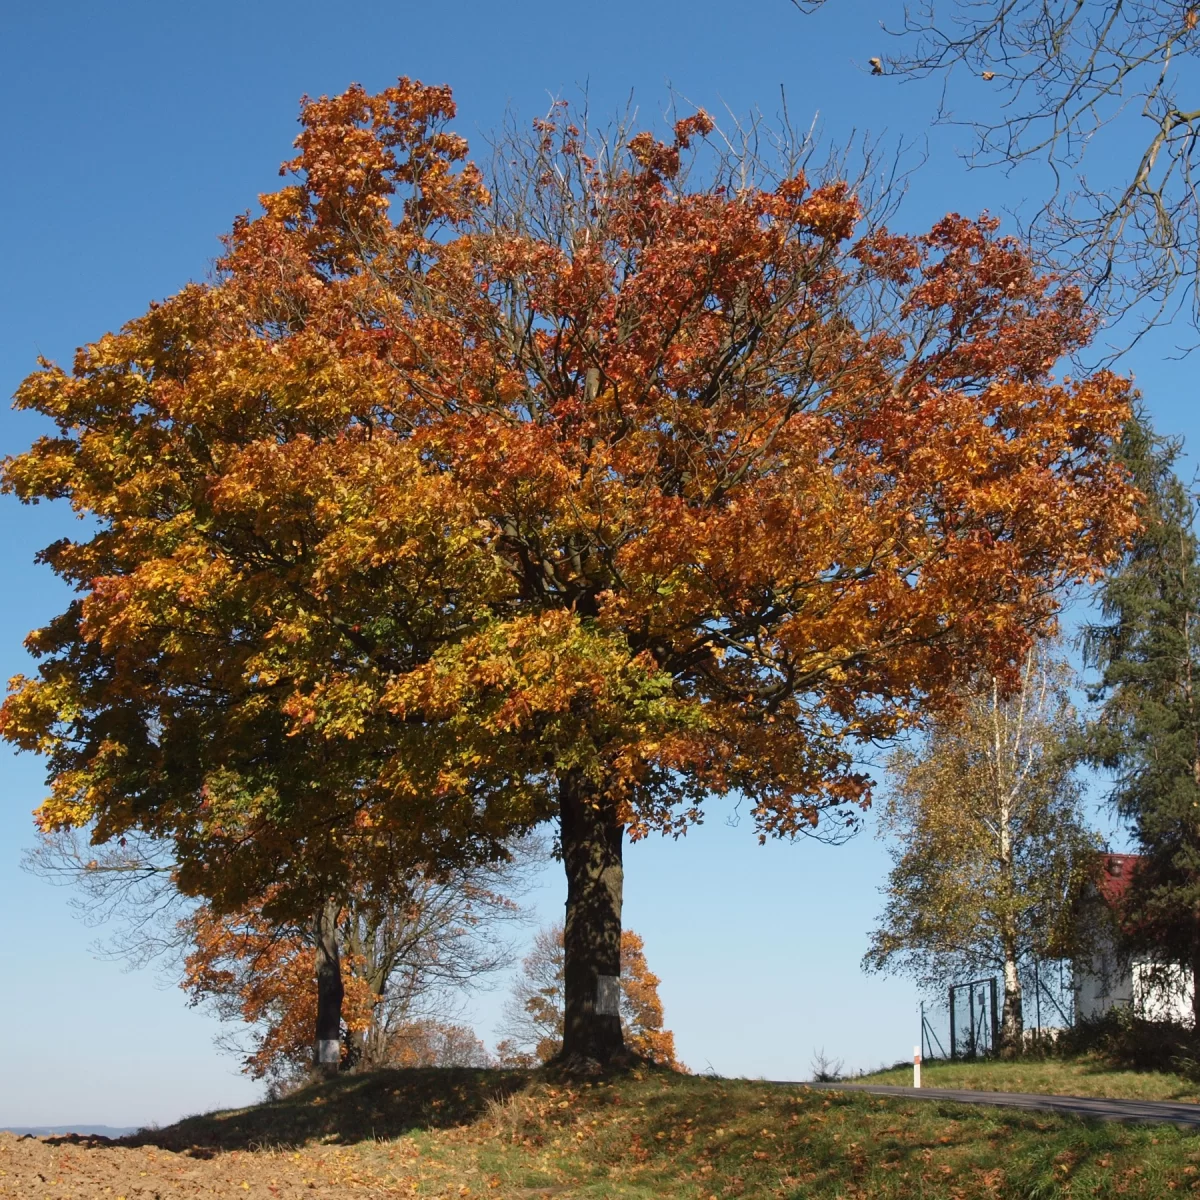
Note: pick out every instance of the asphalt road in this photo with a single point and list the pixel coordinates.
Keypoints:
(1158, 1112)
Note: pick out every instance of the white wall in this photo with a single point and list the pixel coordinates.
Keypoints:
(1108, 980)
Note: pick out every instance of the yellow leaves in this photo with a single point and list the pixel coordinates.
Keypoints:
(58, 813)
(32, 712)
(550, 672)
(411, 567)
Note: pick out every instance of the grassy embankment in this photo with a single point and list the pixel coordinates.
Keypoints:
(654, 1134)
(1084, 1075)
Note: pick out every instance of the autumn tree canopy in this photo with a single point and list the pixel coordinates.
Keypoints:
(404, 961)
(441, 511)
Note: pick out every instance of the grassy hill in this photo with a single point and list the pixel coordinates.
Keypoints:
(1084, 1075)
(656, 1134)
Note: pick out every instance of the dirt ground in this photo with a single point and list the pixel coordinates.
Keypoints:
(75, 1168)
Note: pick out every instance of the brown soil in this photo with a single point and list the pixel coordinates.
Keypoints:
(75, 1168)
(349, 1136)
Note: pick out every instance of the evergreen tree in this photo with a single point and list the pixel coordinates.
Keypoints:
(1147, 651)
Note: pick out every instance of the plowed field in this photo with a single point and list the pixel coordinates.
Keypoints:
(73, 1168)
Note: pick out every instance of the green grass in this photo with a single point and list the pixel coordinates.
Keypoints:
(656, 1134)
(375, 1105)
(1081, 1076)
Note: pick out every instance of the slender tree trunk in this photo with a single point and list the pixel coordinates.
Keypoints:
(1012, 1019)
(591, 846)
(328, 1049)
(1196, 986)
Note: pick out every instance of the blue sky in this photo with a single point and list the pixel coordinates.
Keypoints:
(133, 135)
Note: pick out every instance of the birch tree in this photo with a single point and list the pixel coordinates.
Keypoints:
(989, 844)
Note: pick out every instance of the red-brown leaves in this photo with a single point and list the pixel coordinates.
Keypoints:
(675, 483)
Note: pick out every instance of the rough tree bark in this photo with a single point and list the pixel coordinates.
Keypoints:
(327, 1051)
(591, 845)
(1012, 1019)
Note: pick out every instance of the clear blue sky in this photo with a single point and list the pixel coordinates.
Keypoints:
(133, 133)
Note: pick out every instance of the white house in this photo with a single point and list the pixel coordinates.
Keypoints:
(1110, 978)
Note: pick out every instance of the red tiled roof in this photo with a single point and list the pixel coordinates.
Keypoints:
(1114, 874)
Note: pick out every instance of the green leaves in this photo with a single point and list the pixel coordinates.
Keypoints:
(990, 848)
(1147, 733)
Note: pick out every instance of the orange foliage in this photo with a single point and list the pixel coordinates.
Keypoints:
(534, 1013)
(429, 1043)
(265, 977)
(424, 504)
(641, 1007)
(252, 971)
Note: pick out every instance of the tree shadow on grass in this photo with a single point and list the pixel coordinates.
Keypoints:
(352, 1108)
(654, 1129)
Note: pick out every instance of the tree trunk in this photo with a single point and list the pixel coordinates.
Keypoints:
(1012, 1019)
(1196, 986)
(591, 846)
(328, 1049)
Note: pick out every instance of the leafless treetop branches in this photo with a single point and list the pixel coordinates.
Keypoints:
(1059, 74)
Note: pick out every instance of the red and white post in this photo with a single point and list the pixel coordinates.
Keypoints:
(916, 1066)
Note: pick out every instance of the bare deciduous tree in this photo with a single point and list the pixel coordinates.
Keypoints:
(407, 957)
(125, 887)
(1056, 79)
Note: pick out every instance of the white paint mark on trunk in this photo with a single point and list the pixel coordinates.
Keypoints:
(608, 995)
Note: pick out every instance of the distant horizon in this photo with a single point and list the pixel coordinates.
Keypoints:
(113, 1131)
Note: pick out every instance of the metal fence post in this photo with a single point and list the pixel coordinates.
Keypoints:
(995, 1020)
(1037, 995)
(953, 1042)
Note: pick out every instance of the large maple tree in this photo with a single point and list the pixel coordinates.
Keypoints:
(637, 478)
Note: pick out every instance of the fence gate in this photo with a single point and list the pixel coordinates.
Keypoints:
(974, 1019)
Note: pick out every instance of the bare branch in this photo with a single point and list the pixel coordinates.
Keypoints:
(1065, 77)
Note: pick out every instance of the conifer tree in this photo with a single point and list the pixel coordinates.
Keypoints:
(1147, 651)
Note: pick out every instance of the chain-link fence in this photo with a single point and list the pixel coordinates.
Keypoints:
(966, 1024)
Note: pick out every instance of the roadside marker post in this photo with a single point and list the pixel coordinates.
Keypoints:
(916, 1066)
